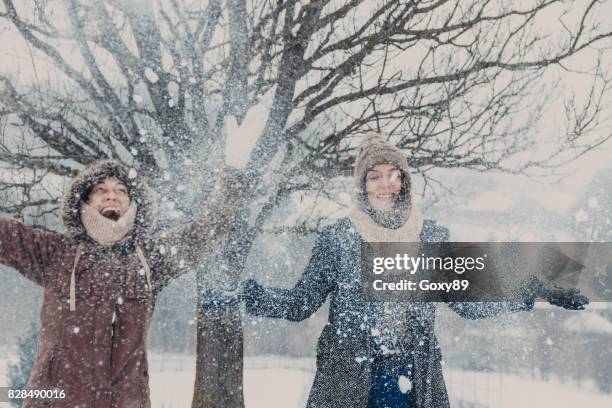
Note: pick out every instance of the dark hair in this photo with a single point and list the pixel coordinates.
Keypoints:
(100, 177)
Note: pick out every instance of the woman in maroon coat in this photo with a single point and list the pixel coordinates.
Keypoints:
(101, 278)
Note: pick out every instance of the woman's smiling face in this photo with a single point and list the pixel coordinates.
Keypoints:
(110, 197)
(382, 184)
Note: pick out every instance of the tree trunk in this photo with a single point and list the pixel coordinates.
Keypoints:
(218, 381)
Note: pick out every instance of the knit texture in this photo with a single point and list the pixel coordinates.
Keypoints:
(106, 231)
(372, 232)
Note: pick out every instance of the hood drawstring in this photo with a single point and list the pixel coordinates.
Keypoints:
(79, 250)
(145, 265)
(72, 278)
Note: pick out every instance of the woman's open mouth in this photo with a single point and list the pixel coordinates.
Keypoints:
(111, 213)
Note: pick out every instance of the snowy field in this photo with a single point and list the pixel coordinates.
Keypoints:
(284, 383)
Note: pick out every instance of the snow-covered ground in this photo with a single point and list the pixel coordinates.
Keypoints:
(268, 381)
(492, 390)
(284, 382)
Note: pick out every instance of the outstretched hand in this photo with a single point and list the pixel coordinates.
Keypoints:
(242, 139)
(216, 298)
(570, 299)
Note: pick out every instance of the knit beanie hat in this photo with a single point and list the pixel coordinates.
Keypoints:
(375, 150)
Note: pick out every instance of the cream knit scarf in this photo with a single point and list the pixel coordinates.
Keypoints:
(106, 231)
(372, 232)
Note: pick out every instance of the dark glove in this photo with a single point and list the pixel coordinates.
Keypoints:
(570, 299)
(216, 298)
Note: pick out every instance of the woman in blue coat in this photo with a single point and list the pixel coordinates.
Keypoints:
(370, 354)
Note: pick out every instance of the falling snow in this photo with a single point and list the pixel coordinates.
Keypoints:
(151, 75)
(173, 152)
(581, 215)
(405, 385)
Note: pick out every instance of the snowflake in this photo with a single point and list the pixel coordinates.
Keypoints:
(581, 215)
(593, 202)
(404, 384)
(151, 75)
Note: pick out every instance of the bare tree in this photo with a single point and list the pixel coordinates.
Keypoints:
(452, 83)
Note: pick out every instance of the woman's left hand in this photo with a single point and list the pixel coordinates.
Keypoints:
(570, 299)
(218, 298)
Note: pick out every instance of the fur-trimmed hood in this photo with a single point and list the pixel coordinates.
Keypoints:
(81, 186)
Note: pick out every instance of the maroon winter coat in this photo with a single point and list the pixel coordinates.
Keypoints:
(97, 352)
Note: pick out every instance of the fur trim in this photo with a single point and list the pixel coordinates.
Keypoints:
(81, 186)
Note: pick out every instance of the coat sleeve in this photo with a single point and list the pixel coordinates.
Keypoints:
(27, 249)
(485, 310)
(308, 294)
(181, 249)
(472, 310)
